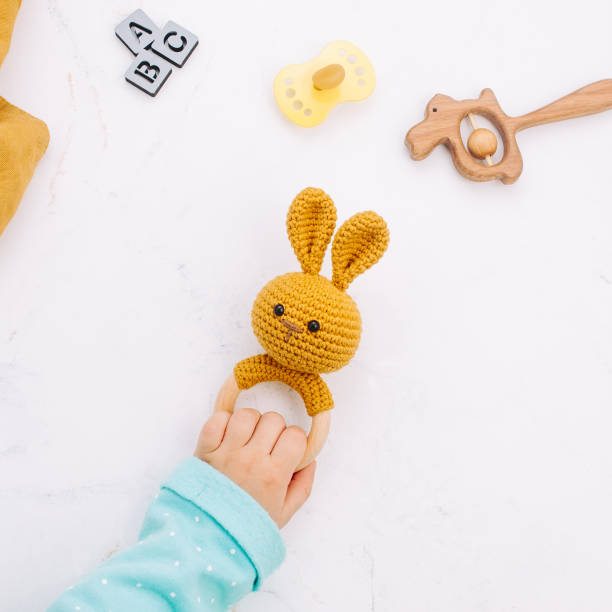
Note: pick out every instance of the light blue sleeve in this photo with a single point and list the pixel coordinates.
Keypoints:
(204, 545)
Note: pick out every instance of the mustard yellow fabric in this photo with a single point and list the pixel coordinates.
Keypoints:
(305, 298)
(23, 138)
(8, 12)
(296, 353)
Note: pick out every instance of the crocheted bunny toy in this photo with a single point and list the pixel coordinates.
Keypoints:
(308, 324)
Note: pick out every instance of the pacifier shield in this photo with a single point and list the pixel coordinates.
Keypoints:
(343, 73)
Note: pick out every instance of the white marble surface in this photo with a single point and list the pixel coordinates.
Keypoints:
(469, 465)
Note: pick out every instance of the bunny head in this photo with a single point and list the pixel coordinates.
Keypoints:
(303, 320)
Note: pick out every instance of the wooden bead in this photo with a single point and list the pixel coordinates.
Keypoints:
(329, 77)
(482, 142)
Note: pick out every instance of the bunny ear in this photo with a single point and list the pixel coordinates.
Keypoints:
(358, 245)
(310, 224)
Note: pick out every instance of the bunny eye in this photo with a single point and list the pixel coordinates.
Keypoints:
(313, 326)
(279, 310)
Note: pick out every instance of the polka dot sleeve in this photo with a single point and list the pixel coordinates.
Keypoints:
(204, 545)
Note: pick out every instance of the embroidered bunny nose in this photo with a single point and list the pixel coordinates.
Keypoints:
(291, 327)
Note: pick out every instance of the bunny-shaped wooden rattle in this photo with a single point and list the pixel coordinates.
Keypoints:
(442, 125)
(307, 324)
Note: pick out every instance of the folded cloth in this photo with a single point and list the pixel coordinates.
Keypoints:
(23, 138)
(8, 12)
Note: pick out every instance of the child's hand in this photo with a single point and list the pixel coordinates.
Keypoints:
(259, 453)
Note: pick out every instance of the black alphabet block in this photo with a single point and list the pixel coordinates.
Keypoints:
(148, 72)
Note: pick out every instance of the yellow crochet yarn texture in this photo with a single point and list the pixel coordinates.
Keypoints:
(307, 324)
(23, 138)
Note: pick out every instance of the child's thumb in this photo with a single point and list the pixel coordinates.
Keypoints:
(298, 492)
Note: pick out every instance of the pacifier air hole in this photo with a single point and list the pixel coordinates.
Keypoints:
(296, 104)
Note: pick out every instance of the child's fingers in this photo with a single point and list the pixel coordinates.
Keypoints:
(212, 433)
(298, 492)
(240, 427)
(270, 426)
(290, 448)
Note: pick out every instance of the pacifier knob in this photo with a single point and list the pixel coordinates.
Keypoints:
(328, 77)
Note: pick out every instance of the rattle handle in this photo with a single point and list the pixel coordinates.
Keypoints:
(319, 429)
(593, 98)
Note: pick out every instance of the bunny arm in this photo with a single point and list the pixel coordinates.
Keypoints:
(262, 368)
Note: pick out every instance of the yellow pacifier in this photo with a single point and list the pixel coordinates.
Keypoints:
(340, 73)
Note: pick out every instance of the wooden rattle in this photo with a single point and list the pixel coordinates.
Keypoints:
(319, 427)
(306, 93)
(307, 324)
(442, 125)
